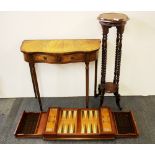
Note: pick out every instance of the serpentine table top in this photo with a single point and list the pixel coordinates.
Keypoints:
(60, 46)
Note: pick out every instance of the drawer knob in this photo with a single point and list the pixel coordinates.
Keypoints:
(45, 58)
(58, 58)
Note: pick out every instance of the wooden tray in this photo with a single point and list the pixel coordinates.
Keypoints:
(31, 124)
(125, 124)
(73, 123)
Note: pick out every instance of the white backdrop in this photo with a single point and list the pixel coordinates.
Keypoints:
(138, 53)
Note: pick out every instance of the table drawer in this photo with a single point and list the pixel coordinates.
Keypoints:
(61, 58)
(44, 58)
(65, 58)
(78, 57)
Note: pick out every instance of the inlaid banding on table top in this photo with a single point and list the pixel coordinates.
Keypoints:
(60, 46)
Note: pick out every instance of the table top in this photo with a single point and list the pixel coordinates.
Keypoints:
(60, 46)
(113, 17)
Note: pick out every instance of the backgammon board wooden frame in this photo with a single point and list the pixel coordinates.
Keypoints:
(77, 124)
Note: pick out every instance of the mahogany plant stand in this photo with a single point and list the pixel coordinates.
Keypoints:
(108, 20)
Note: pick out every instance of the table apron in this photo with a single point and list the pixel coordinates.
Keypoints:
(60, 58)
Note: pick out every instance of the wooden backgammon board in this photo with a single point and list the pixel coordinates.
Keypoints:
(73, 123)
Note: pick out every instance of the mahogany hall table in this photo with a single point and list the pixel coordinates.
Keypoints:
(61, 52)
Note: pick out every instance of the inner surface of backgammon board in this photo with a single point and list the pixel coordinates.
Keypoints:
(106, 120)
(90, 122)
(52, 120)
(79, 122)
(67, 122)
